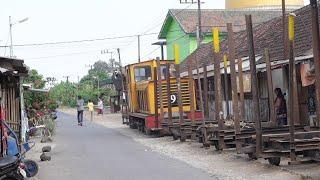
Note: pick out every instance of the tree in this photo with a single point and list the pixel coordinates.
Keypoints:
(65, 93)
(35, 99)
(88, 87)
(35, 79)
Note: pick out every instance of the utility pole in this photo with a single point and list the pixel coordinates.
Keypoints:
(78, 84)
(111, 58)
(10, 29)
(120, 65)
(199, 24)
(120, 70)
(10, 32)
(88, 66)
(139, 57)
(67, 77)
(107, 52)
(199, 40)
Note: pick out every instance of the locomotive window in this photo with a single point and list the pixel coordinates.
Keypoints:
(142, 73)
(164, 71)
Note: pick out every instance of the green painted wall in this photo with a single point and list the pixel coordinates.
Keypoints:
(176, 35)
(207, 39)
(187, 43)
(194, 44)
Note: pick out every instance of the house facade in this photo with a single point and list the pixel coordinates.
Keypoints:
(180, 26)
(267, 35)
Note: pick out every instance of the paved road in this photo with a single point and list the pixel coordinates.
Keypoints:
(94, 152)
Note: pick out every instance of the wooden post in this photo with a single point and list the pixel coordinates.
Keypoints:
(169, 94)
(217, 86)
(284, 30)
(226, 83)
(235, 105)
(191, 95)
(316, 52)
(292, 87)
(10, 102)
(180, 105)
(241, 90)
(160, 90)
(156, 100)
(14, 109)
(205, 92)
(254, 85)
(270, 88)
(1, 121)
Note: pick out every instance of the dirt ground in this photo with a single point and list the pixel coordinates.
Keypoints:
(36, 151)
(224, 165)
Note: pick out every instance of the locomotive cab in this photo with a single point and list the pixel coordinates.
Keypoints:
(144, 98)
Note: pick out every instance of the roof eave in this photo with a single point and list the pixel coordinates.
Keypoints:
(162, 33)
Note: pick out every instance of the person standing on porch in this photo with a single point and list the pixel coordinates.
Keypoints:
(80, 109)
(280, 107)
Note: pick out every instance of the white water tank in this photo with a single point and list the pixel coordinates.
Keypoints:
(262, 4)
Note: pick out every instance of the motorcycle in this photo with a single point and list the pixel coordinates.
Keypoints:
(11, 169)
(26, 168)
(31, 167)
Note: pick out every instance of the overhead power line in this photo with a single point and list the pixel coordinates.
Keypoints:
(154, 50)
(81, 41)
(160, 23)
(61, 55)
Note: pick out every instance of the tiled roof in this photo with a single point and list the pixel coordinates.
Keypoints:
(266, 35)
(219, 17)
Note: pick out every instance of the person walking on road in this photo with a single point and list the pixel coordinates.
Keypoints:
(80, 109)
(90, 107)
(100, 107)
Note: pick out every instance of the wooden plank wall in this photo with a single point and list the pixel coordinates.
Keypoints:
(10, 106)
(264, 106)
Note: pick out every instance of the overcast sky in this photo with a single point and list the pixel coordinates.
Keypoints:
(68, 20)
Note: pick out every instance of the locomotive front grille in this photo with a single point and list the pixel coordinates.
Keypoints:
(185, 93)
(143, 100)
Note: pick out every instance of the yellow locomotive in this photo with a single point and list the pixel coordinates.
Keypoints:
(146, 85)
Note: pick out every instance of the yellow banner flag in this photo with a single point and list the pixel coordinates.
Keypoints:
(291, 26)
(225, 61)
(176, 51)
(216, 40)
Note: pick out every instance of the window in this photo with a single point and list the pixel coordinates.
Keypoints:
(172, 71)
(142, 73)
(163, 69)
